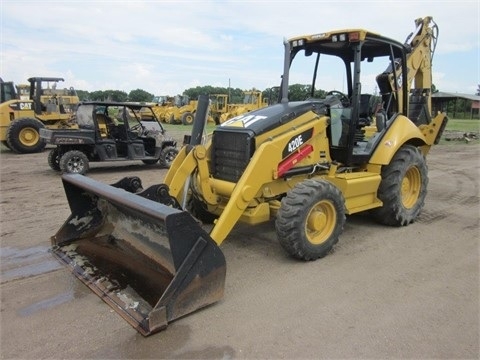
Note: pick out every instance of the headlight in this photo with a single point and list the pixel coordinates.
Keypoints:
(296, 43)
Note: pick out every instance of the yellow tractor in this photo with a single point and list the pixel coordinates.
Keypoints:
(307, 164)
(218, 107)
(160, 106)
(253, 100)
(182, 111)
(46, 107)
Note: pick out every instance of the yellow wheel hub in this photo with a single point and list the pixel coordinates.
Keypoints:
(29, 136)
(321, 221)
(411, 185)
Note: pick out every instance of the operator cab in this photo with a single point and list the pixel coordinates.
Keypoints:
(346, 65)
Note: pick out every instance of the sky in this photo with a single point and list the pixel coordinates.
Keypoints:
(165, 47)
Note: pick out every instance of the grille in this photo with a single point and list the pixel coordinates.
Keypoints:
(231, 152)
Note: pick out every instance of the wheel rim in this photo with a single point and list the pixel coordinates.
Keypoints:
(320, 223)
(170, 157)
(411, 184)
(75, 164)
(28, 136)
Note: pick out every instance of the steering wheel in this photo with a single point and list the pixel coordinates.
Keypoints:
(341, 96)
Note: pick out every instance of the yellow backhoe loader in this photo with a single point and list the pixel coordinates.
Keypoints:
(305, 163)
(46, 107)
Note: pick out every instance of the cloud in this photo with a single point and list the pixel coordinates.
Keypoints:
(165, 47)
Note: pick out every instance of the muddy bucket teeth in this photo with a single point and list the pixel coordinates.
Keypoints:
(151, 263)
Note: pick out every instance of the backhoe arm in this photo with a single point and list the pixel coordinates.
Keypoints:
(419, 60)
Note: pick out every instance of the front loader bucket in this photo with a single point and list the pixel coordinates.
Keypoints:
(151, 263)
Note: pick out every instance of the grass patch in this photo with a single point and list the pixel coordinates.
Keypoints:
(463, 125)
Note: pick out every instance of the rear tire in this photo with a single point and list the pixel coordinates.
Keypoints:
(54, 159)
(167, 156)
(23, 136)
(310, 219)
(74, 162)
(403, 188)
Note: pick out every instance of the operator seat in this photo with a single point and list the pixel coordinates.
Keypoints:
(103, 122)
(365, 111)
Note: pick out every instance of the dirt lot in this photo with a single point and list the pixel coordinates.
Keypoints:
(410, 292)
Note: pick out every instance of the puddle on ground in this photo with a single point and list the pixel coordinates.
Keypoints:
(22, 263)
(46, 304)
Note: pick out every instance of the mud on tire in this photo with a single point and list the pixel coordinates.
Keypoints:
(403, 188)
(310, 219)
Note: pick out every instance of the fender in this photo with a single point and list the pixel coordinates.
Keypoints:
(401, 131)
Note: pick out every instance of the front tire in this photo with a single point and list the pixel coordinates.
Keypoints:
(167, 156)
(403, 188)
(187, 118)
(23, 136)
(310, 219)
(74, 162)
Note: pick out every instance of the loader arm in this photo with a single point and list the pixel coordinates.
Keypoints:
(256, 175)
(185, 165)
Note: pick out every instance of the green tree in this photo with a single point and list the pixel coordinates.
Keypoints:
(83, 95)
(140, 95)
(97, 95)
(271, 94)
(236, 95)
(298, 92)
(109, 95)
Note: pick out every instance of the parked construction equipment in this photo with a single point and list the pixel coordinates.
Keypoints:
(222, 110)
(182, 111)
(7, 91)
(253, 100)
(160, 106)
(305, 163)
(47, 107)
(218, 106)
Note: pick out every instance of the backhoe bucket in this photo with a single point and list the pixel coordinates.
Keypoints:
(151, 263)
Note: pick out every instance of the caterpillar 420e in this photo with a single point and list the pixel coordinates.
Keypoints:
(306, 163)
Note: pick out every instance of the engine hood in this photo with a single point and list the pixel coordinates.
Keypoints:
(271, 117)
